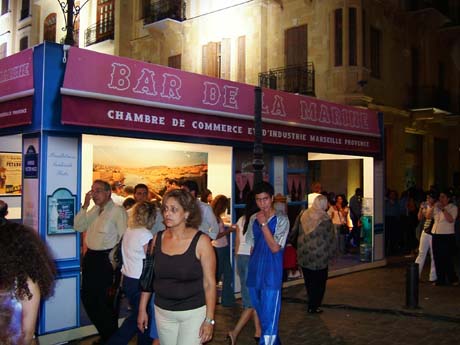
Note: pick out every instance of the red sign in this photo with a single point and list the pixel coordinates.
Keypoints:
(16, 89)
(16, 112)
(106, 77)
(105, 114)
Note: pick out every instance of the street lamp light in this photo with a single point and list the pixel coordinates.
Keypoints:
(70, 12)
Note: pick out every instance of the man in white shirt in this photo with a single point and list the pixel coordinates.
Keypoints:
(105, 223)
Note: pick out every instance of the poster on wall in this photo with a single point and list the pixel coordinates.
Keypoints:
(61, 212)
(10, 173)
(151, 167)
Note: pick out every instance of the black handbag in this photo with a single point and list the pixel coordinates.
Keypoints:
(148, 269)
(294, 232)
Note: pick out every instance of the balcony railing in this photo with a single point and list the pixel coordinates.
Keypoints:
(163, 9)
(429, 97)
(296, 79)
(99, 32)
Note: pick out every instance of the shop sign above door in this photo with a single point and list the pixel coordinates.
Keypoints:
(16, 89)
(98, 76)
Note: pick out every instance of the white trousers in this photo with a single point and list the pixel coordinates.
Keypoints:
(179, 327)
(423, 249)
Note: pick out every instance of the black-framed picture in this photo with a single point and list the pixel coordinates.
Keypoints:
(61, 207)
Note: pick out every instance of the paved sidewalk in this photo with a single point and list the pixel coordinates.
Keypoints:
(366, 307)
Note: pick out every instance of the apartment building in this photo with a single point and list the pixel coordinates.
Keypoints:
(399, 57)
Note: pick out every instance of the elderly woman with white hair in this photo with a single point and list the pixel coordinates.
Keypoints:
(316, 246)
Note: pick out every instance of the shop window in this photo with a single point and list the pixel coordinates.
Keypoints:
(25, 9)
(3, 50)
(216, 59)
(5, 6)
(338, 37)
(241, 71)
(376, 50)
(352, 40)
(175, 61)
(49, 28)
(23, 43)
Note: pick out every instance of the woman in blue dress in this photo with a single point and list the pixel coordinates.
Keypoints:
(267, 234)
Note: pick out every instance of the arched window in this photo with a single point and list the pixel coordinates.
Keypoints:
(49, 28)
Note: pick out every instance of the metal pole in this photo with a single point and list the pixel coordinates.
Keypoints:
(258, 162)
(69, 33)
(412, 286)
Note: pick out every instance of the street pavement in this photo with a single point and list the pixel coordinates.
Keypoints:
(367, 307)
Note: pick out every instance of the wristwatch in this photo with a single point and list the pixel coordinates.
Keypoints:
(209, 320)
(263, 224)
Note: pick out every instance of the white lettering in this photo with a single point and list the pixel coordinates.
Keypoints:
(119, 78)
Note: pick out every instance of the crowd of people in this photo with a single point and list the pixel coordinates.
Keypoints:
(425, 223)
(187, 232)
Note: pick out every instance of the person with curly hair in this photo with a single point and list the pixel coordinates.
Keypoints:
(27, 276)
(3, 212)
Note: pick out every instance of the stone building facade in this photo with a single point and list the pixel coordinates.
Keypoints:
(399, 57)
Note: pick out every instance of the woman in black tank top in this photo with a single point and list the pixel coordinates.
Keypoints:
(185, 284)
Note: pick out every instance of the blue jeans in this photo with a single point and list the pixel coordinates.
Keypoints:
(242, 262)
(129, 327)
(224, 268)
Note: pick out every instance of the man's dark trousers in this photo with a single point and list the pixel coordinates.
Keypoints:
(97, 279)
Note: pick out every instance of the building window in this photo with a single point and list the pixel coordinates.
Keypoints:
(241, 71)
(175, 61)
(376, 47)
(216, 59)
(338, 37)
(23, 43)
(5, 6)
(210, 63)
(352, 49)
(49, 28)
(2, 50)
(25, 9)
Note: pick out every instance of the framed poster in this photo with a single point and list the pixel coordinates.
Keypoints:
(10, 174)
(61, 212)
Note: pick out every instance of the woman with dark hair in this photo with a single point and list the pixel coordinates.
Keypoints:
(443, 240)
(425, 215)
(27, 274)
(243, 253)
(340, 215)
(206, 196)
(267, 234)
(224, 268)
(185, 275)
